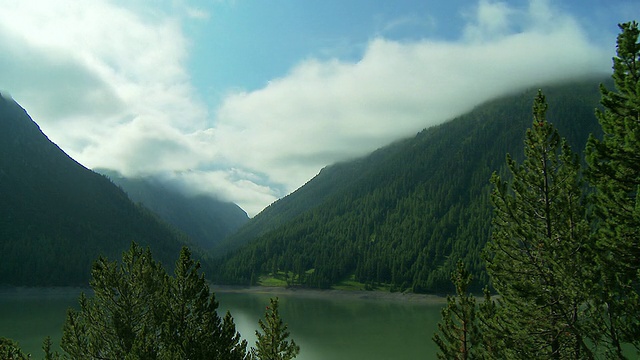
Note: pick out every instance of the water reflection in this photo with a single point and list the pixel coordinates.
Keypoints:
(325, 328)
(344, 328)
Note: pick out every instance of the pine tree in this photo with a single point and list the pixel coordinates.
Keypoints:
(119, 320)
(10, 350)
(273, 343)
(230, 341)
(139, 312)
(614, 171)
(46, 348)
(459, 333)
(191, 317)
(493, 339)
(538, 249)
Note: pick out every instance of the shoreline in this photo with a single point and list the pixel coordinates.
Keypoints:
(331, 294)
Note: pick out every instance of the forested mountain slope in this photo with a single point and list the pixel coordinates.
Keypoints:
(56, 216)
(205, 219)
(405, 214)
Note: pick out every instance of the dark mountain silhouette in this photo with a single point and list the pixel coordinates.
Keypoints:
(57, 217)
(205, 219)
(405, 214)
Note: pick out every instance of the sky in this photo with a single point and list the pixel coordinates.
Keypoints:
(248, 100)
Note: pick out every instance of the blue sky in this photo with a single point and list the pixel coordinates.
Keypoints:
(244, 44)
(261, 41)
(248, 100)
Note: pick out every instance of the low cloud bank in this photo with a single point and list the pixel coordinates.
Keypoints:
(116, 93)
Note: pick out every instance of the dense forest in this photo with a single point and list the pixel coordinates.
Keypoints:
(563, 256)
(205, 219)
(401, 217)
(57, 217)
(140, 311)
(404, 215)
(555, 227)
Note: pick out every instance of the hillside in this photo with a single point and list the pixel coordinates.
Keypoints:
(206, 220)
(56, 216)
(405, 214)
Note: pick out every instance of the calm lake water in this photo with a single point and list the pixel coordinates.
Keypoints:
(325, 328)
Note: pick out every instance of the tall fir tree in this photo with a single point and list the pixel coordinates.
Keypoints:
(459, 335)
(49, 354)
(139, 312)
(539, 247)
(10, 350)
(191, 316)
(273, 342)
(614, 171)
(492, 334)
(118, 321)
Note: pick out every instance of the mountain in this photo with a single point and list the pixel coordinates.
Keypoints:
(57, 217)
(406, 213)
(205, 219)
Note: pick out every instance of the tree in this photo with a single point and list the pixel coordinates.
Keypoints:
(10, 350)
(121, 318)
(139, 312)
(492, 334)
(614, 171)
(538, 253)
(459, 333)
(46, 348)
(191, 316)
(272, 343)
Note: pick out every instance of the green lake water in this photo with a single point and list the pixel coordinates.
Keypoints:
(324, 327)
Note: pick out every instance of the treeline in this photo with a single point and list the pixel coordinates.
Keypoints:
(404, 215)
(565, 262)
(205, 219)
(56, 216)
(139, 311)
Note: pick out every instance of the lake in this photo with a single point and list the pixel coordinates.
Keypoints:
(326, 326)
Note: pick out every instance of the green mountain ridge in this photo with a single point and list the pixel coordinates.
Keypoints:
(57, 217)
(205, 219)
(405, 214)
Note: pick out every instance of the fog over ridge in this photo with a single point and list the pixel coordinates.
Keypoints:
(111, 86)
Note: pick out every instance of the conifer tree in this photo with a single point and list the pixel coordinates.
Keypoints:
(493, 339)
(273, 343)
(191, 317)
(538, 249)
(139, 312)
(46, 348)
(614, 171)
(459, 334)
(118, 321)
(10, 350)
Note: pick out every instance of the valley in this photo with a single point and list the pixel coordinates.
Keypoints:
(400, 218)
(248, 180)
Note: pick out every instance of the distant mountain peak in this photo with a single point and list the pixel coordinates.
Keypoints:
(57, 217)
(206, 219)
(402, 216)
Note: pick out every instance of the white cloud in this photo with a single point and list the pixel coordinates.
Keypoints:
(229, 184)
(323, 112)
(83, 54)
(196, 13)
(490, 19)
(110, 85)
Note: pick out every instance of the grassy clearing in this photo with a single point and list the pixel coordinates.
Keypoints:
(272, 281)
(350, 283)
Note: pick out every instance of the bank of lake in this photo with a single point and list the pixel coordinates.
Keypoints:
(327, 324)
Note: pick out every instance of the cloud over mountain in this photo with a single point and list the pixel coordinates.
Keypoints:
(110, 84)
